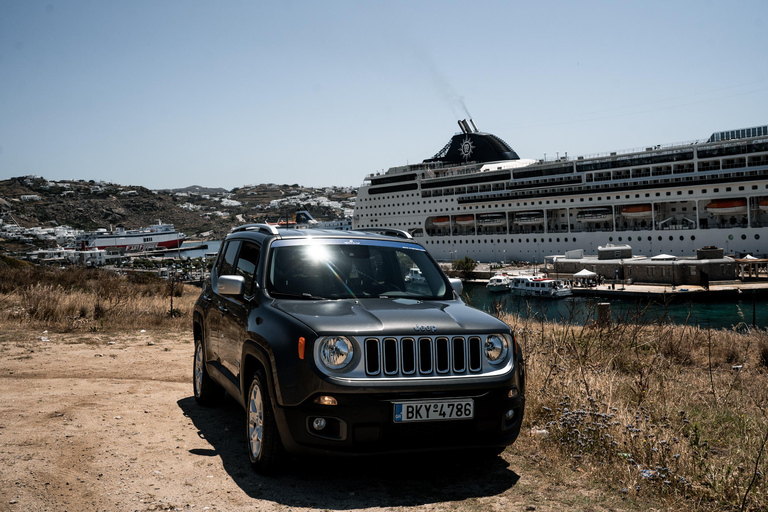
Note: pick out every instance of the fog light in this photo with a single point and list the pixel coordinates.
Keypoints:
(326, 400)
(512, 393)
(318, 424)
(509, 414)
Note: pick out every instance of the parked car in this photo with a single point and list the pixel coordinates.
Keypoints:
(332, 347)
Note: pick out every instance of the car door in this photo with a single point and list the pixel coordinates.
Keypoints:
(225, 266)
(234, 322)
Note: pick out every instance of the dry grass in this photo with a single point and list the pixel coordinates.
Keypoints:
(77, 298)
(639, 406)
(648, 407)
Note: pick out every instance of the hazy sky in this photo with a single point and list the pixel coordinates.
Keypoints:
(170, 93)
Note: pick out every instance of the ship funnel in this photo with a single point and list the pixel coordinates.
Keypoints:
(464, 126)
(474, 126)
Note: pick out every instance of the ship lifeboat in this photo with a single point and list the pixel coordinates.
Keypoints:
(492, 219)
(763, 205)
(598, 214)
(637, 211)
(465, 220)
(441, 222)
(727, 206)
(529, 218)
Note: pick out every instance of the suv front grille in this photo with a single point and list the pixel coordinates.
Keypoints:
(423, 356)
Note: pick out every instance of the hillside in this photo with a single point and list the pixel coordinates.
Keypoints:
(196, 211)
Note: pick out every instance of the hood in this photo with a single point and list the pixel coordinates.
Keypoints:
(397, 317)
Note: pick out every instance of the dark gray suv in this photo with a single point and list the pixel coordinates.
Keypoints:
(344, 342)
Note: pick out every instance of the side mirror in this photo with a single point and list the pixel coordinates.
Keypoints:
(231, 285)
(457, 285)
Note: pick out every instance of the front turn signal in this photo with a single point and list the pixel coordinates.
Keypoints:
(302, 346)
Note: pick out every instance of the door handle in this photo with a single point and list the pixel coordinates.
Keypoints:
(223, 309)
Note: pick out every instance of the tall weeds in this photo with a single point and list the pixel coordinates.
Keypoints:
(651, 407)
(78, 298)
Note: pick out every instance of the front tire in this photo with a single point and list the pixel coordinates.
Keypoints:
(263, 439)
(206, 391)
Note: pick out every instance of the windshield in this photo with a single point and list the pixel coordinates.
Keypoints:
(346, 269)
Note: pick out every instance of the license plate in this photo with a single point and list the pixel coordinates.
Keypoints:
(434, 410)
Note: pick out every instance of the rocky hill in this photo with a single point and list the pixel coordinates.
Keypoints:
(197, 211)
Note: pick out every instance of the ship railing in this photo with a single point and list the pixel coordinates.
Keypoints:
(658, 147)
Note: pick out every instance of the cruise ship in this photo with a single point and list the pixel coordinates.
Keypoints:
(158, 236)
(478, 198)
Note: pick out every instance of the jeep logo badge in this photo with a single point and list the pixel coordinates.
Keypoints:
(425, 328)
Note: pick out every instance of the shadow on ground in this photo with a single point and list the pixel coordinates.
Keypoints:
(345, 483)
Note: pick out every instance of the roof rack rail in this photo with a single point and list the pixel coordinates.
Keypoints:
(263, 228)
(399, 233)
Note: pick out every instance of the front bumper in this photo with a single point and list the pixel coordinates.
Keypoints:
(363, 424)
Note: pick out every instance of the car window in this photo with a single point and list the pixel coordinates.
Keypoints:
(353, 269)
(227, 267)
(247, 263)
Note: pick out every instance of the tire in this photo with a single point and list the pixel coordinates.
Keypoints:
(206, 391)
(262, 437)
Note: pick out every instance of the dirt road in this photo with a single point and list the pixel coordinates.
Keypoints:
(104, 422)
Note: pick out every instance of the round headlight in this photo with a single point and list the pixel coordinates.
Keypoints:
(496, 348)
(336, 352)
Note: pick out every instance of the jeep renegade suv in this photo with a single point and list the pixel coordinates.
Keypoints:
(344, 342)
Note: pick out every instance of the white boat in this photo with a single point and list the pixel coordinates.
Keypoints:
(661, 198)
(539, 286)
(499, 282)
(529, 218)
(492, 219)
(158, 236)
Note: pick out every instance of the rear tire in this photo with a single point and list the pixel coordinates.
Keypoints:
(262, 437)
(206, 391)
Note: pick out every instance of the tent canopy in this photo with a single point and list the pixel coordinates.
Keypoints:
(584, 273)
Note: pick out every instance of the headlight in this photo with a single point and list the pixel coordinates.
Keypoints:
(496, 348)
(336, 352)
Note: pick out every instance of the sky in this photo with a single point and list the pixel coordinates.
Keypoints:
(173, 93)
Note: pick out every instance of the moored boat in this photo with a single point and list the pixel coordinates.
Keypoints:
(500, 282)
(158, 236)
(539, 286)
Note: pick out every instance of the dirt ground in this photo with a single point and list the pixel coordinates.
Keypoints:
(105, 422)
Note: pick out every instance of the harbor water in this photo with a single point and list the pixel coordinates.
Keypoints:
(580, 310)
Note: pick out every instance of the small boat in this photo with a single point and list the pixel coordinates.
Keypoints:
(499, 282)
(539, 286)
(637, 211)
(465, 220)
(492, 219)
(727, 206)
(763, 205)
(598, 214)
(441, 222)
(528, 218)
